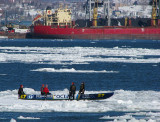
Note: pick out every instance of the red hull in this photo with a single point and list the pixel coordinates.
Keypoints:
(96, 33)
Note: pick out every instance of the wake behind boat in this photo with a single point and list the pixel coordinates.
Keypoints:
(98, 96)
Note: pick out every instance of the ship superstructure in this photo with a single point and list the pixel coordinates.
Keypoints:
(61, 17)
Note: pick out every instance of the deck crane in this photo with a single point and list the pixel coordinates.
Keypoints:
(95, 13)
(155, 12)
(39, 16)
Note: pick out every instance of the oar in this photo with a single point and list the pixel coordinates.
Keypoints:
(79, 96)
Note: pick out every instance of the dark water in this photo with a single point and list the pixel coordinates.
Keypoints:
(130, 76)
(56, 116)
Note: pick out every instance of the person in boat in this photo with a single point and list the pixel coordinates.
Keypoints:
(46, 90)
(72, 91)
(42, 90)
(82, 88)
(20, 91)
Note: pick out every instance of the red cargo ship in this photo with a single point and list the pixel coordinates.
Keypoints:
(60, 26)
(41, 31)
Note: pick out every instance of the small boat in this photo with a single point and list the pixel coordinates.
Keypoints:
(97, 96)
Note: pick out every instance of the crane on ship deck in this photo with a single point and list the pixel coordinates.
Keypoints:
(95, 13)
(155, 12)
(106, 3)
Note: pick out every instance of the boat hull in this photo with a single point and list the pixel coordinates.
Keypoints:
(94, 96)
(96, 33)
(97, 36)
(98, 96)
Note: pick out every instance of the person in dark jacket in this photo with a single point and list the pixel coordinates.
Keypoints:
(42, 90)
(82, 88)
(72, 91)
(20, 91)
(46, 90)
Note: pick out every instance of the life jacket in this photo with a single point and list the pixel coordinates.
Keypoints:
(20, 91)
(81, 87)
(46, 90)
(73, 88)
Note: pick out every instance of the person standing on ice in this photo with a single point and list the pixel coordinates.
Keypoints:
(46, 90)
(42, 90)
(72, 91)
(82, 88)
(20, 91)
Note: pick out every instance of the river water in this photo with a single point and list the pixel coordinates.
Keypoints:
(129, 68)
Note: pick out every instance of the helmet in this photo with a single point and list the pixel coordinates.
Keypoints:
(21, 85)
(72, 83)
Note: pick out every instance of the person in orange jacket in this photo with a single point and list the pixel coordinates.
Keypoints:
(46, 90)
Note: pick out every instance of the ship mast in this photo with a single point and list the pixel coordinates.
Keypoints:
(95, 13)
(109, 20)
(158, 12)
(159, 9)
(90, 10)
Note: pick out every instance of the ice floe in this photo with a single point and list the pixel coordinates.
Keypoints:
(78, 55)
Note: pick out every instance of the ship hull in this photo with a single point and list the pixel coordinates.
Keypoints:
(95, 36)
(95, 33)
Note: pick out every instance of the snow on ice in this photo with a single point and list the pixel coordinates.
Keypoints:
(136, 102)
(78, 55)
